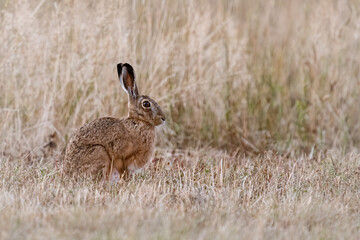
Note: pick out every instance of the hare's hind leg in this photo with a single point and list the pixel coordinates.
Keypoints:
(96, 162)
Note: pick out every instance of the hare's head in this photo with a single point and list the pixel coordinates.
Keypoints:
(141, 107)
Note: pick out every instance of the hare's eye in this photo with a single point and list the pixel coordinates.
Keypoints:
(146, 104)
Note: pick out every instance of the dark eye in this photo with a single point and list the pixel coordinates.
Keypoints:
(146, 104)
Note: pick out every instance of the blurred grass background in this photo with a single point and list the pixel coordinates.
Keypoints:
(262, 101)
(238, 75)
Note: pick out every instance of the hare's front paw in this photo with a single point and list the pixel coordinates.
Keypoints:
(133, 168)
(115, 177)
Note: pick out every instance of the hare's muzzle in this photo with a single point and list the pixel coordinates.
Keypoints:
(160, 118)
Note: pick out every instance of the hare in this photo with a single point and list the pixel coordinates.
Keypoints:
(107, 144)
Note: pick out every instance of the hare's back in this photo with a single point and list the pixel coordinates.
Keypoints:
(99, 131)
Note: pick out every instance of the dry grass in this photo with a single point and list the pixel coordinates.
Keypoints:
(193, 194)
(238, 81)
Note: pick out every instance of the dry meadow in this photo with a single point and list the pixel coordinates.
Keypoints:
(263, 106)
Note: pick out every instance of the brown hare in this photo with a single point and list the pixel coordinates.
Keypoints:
(108, 144)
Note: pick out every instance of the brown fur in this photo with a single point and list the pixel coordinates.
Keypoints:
(107, 144)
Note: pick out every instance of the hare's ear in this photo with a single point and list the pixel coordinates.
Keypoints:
(127, 79)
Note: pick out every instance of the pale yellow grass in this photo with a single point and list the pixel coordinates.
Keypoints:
(193, 194)
(237, 80)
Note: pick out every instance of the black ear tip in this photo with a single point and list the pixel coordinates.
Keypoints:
(119, 68)
(128, 66)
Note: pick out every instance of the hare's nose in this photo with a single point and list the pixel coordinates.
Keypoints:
(163, 119)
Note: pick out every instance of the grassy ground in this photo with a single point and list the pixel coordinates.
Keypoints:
(262, 101)
(193, 194)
